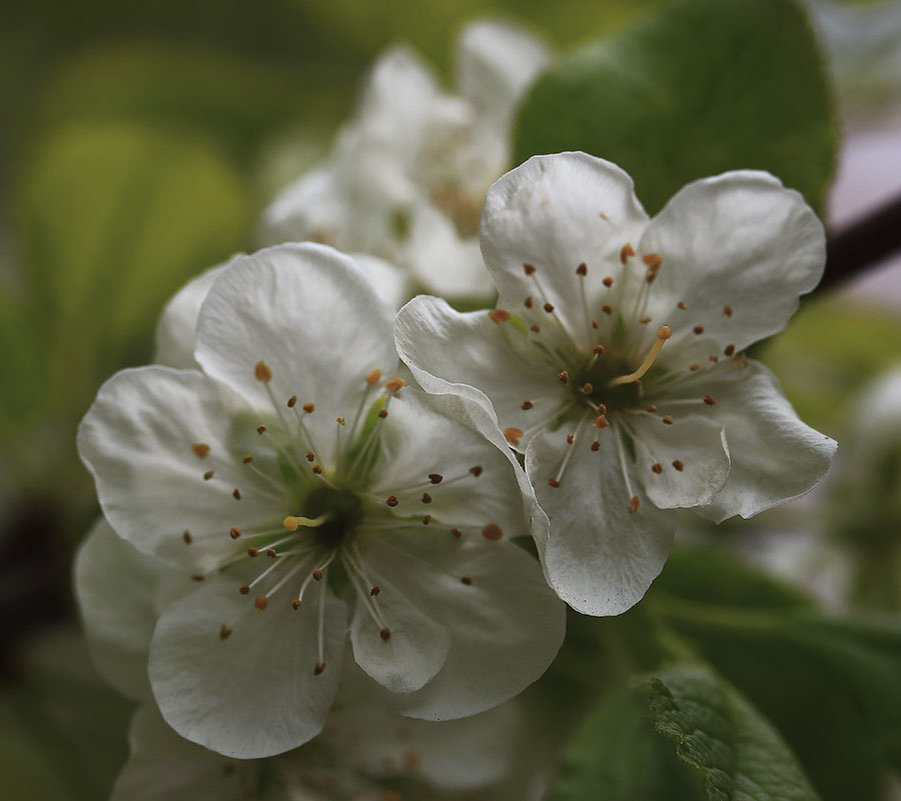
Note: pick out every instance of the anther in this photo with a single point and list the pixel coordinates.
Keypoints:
(465, 580)
(608, 281)
(375, 591)
(657, 468)
(247, 459)
(678, 465)
(236, 494)
(713, 358)
(586, 389)
(528, 269)
(633, 504)
(534, 329)
(295, 604)
(383, 413)
(607, 308)
(476, 470)
(272, 553)
(595, 446)
(260, 602)
(385, 634)
(340, 421)
(645, 320)
(582, 269)
(426, 520)
(395, 385)
(186, 536)
(681, 305)
(426, 498)
(548, 307)
(601, 408)
(526, 405)
(654, 262)
(373, 376)
(528, 302)
(200, 449)
(570, 438)
(318, 668)
(563, 377)
(197, 577)
(492, 532)
(234, 533)
(694, 366)
(261, 430)
(317, 574)
(598, 350)
(436, 478)
(667, 420)
(698, 329)
(553, 482)
(392, 501)
(600, 421)
(456, 533)
(261, 372)
(709, 400)
(594, 324)
(651, 409)
(291, 401)
(252, 552)
(224, 632)
(729, 350)
(626, 253)
(498, 316)
(309, 408)
(207, 475)
(244, 589)
(727, 310)
(311, 456)
(663, 334)
(512, 435)
(317, 469)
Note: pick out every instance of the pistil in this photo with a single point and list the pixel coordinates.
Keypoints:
(663, 334)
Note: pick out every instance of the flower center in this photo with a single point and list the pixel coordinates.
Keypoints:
(343, 513)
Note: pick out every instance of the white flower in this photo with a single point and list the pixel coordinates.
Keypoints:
(614, 360)
(406, 178)
(295, 481)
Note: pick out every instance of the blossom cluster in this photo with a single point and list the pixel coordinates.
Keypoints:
(320, 513)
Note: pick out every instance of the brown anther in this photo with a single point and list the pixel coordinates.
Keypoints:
(694, 366)
(598, 350)
(247, 459)
(709, 400)
(426, 519)
(492, 532)
(200, 449)
(548, 307)
(426, 498)
(601, 408)
(244, 589)
(224, 632)
(600, 421)
(272, 553)
(528, 302)
(608, 281)
(383, 413)
(261, 429)
(512, 435)
(626, 253)
(526, 405)
(261, 372)
(651, 409)
(186, 536)
(317, 469)
(594, 324)
(667, 420)
(476, 470)
(664, 332)
(607, 309)
(197, 577)
(713, 358)
(529, 269)
(292, 401)
(236, 494)
(729, 350)
(317, 575)
(582, 269)
(385, 634)
(392, 501)
(586, 389)
(375, 591)
(252, 552)
(534, 329)
(594, 446)
(395, 385)
(569, 439)
(657, 468)
(563, 377)
(553, 482)
(234, 533)
(207, 475)
(260, 602)
(645, 320)
(311, 457)
(681, 305)
(653, 260)
(698, 329)
(318, 668)
(295, 604)
(456, 533)
(633, 504)
(678, 465)
(465, 580)
(374, 376)
(498, 316)
(436, 478)
(309, 408)
(727, 310)
(340, 421)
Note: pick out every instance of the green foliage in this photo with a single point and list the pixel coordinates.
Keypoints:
(701, 87)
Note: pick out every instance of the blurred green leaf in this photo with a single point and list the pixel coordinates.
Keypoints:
(702, 87)
(735, 751)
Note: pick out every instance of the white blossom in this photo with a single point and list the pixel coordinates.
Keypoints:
(614, 359)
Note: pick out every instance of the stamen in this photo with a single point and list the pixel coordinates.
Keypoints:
(291, 401)
(208, 475)
(186, 536)
(374, 376)
(681, 305)
(224, 632)
(709, 400)
(395, 385)
(678, 465)
(492, 532)
(436, 478)
(320, 633)
(727, 310)
(498, 316)
(528, 302)
(309, 408)
(426, 498)
(698, 329)
(526, 405)
(657, 468)
(512, 435)
(729, 350)
(663, 334)
(261, 372)
(563, 377)
(201, 449)
(633, 504)
(608, 282)
(626, 253)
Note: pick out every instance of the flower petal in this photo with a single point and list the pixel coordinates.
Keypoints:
(775, 456)
(311, 208)
(252, 692)
(311, 315)
(600, 557)
(738, 250)
(149, 439)
(390, 282)
(554, 213)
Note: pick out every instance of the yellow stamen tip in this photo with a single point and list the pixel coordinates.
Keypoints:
(291, 523)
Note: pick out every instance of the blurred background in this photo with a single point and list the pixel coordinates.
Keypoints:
(138, 145)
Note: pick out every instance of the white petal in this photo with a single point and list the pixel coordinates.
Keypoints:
(253, 693)
(137, 438)
(489, 364)
(311, 208)
(164, 767)
(600, 558)
(738, 240)
(775, 456)
(389, 281)
(691, 453)
(178, 322)
(313, 317)
(554, 213)
(496, 63)
(506, 625)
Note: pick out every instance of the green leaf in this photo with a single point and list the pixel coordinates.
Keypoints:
(701, 87)
(735, 751)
